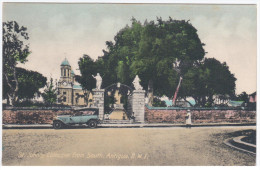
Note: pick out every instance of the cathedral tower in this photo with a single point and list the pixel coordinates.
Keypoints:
(69, 91)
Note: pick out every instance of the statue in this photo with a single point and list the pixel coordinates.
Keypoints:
(98, 81)
(137, 84)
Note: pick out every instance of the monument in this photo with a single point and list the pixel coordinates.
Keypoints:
(98, 96)
(98, 81)
(138, 101)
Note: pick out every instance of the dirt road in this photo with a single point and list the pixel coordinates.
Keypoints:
(122, 146)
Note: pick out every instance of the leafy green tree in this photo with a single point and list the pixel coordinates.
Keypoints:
(50, 93)
(29, 83)
(149, 50)
(209, 78)
(14, 52)
(88, 67)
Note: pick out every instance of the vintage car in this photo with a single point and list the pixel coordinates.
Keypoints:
(87, 116)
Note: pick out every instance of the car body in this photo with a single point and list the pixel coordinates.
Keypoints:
(87, 116)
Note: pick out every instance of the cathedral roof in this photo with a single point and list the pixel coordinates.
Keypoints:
(65, 62)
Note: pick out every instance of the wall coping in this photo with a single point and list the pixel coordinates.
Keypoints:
(194, 108)
(37, 108)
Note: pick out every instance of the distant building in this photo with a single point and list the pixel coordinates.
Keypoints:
(252, 98)
(221, 99)
(70, 92)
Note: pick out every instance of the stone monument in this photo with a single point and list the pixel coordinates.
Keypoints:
(138, 101)
(98, 96)
(136, 83)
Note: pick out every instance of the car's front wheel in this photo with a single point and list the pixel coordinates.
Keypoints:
(92, 124)
(57, 125)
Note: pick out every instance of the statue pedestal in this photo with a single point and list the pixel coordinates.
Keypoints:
(98, 98)
(138, 101)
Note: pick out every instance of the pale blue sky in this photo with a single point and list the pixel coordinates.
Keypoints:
(71, 30)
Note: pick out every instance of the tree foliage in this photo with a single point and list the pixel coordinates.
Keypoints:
(87, 68)
(150, 50)
(29, 84)
(207, 79)
(242, 97)
(50, 93)
(14, 52)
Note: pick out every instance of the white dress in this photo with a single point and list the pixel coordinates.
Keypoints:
(188, 120)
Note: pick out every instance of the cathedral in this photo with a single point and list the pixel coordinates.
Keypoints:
(70, 92)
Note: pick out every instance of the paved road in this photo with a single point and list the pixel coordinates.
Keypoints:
(122, 146)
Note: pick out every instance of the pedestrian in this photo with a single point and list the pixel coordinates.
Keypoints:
(133, 117)
(188, 119)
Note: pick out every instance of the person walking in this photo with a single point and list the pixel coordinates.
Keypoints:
(188, 119)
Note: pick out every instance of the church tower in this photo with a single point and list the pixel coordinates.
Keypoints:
(66, 73)
(69, 91)
(65, 84)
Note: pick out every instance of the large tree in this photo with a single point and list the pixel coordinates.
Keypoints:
(152, 50)
(14, 52)
(149, 50)
(29, 84)
(161, 45)
(209, 78)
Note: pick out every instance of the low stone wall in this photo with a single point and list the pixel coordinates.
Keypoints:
(199, 116)
(31, 116)
(45, 116)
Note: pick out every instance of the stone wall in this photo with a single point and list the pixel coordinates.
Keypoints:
(138, 105)
(98, 98)
(151, 116)
(31, 116)
(199, 116)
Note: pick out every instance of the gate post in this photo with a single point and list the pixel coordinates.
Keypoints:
(138, 101)
(98, 98)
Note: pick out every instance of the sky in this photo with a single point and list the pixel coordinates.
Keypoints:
(70, 30)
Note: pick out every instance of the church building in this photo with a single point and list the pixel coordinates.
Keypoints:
(70, 92)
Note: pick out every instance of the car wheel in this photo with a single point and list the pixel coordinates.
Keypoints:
(57, 125)
(92, 124)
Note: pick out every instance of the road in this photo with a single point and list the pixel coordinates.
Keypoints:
(123, 146)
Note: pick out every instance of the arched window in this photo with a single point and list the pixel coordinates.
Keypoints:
(64, 99)
(64, 72)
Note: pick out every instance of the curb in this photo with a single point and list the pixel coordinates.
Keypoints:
(49, 126)
(241, 145)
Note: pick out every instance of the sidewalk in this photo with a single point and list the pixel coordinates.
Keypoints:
(148, 125)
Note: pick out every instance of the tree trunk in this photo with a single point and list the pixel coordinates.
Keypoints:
(8, 101)
(15, 97)
(13, 90)
(150, 93)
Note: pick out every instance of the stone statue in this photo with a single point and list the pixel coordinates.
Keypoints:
(98, 81)
(137, 84)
